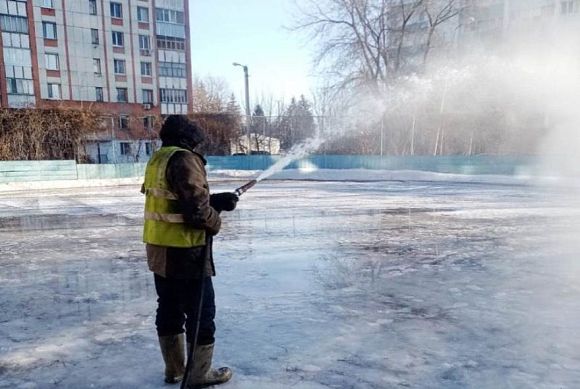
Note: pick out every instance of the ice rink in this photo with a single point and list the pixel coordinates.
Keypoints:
(320, 285)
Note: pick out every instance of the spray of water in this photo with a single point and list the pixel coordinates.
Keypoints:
(296, 152)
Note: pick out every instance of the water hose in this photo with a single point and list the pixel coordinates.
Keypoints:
(244, 188)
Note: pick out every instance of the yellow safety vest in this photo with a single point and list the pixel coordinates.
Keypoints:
(164, 225)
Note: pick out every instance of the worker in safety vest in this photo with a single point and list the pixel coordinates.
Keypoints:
(180, 219)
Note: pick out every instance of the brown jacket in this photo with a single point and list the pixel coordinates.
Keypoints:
(187, 178)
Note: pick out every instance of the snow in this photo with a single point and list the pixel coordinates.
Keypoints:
(321, 284)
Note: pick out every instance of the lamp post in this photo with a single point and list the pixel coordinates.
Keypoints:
(247, 90)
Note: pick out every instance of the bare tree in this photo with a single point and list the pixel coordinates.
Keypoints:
(210, 94)
(437, 12)
(370, 43)
(401, 13)
(353, 39)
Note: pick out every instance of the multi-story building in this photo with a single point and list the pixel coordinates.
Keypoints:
(492, 23)
(471, 25)
(419, 30)
(127, 59)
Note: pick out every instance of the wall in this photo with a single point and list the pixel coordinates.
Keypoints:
(110, 151)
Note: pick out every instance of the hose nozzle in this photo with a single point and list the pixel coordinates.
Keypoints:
(242, 189)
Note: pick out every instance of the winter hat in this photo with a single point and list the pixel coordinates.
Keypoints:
(178, 130)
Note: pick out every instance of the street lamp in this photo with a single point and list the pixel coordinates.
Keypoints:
(247, 90)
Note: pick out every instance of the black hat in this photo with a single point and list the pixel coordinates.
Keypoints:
(178, 130)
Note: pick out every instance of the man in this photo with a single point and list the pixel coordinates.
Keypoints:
(180, 220)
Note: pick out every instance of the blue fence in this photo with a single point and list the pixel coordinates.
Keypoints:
(120, 170)
(504, 165)
(23, 171)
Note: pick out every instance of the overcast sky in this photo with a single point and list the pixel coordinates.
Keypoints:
(250, 32)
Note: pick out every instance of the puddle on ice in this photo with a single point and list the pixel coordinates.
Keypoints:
(64, 221)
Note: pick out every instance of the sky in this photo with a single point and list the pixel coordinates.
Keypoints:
(253, 33)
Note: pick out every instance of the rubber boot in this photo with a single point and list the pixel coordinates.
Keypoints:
(172, 349)
(202, 375)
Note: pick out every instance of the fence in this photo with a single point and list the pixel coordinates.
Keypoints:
(504, 165)
(24, 171)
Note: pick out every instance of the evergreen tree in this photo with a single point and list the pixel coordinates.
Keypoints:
(232, 107)
(297, 123)
(258, 127)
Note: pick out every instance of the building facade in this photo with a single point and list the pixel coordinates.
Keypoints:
(471, 25)
(493, 23)
(127, 59)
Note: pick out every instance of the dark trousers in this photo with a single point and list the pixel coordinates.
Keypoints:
(178, 304)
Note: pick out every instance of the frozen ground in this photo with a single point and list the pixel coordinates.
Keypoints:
(320, 285)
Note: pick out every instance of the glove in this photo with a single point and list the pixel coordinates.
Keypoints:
(223, 201)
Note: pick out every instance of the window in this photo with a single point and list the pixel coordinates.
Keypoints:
(171, 69)
(125, 148)
(93, 7)
(99, 94)
(144, 42)
(122, 95)
(17, 24)
(21, 41)
(54, 91)
(123, 122)
(118, 39)
(47, 4)
(97, 66)
(51, 61)
(119, 65)
(146, 69)
(49, 30)
(143, 14)
(116, 10)
(170, 43)
(19, 86)
(94, 36)
(145, 45)
(168, 16)
(569, 7)
(148, 122)
(177, 96)
(147, 96)
(148, 147)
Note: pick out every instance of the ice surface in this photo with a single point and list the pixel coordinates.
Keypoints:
(320, 285)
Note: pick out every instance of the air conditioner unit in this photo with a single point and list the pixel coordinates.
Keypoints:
(145, 52)
(147, 107)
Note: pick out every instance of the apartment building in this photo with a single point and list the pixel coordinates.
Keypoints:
(419, 30)
(491, 23)
(123, 58)
(478, 25)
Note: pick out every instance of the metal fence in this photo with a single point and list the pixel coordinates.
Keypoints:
(23, 171)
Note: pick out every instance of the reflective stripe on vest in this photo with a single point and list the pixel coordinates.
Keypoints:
(161, 193)
(164, 224)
